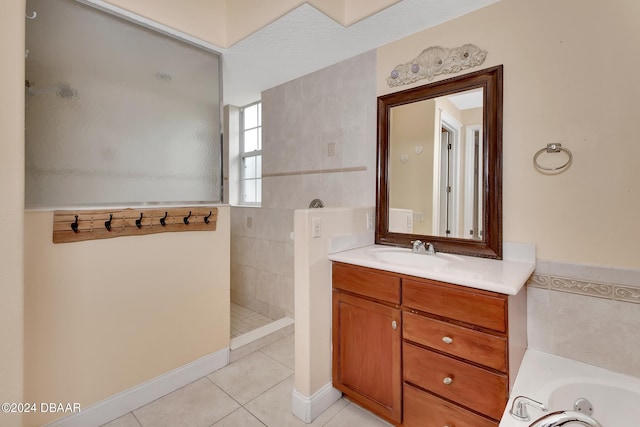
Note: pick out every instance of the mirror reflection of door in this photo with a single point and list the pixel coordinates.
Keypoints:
(473, 213)
(448, 184)
(446, 141)
(435, 166)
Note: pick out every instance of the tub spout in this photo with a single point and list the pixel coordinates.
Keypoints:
(561, 418)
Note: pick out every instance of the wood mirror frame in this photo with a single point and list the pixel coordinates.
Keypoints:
(490, 246)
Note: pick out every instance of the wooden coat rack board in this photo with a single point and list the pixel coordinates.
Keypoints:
(76, 226)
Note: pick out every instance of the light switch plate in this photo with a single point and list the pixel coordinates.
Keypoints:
(316, 227)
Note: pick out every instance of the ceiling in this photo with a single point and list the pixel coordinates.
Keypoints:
(306, 40)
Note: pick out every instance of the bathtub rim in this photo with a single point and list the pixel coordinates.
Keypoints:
(542, 372)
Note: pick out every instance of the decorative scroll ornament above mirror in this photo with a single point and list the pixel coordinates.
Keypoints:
(439, 165)
(436, 60)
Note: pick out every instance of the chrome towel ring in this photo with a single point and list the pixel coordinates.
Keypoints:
(552, 148)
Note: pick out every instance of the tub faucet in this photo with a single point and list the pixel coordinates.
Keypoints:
(519, 407)
(561, 418)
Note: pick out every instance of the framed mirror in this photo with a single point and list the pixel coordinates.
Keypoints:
(440, 165)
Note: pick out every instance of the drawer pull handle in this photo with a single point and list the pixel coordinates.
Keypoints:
(394, 325)
(447, 380)
(447, 340)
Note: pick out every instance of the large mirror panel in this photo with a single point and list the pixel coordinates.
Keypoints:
(439, 165)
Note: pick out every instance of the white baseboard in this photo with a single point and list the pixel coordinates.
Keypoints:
(308, 408)
(122, 403)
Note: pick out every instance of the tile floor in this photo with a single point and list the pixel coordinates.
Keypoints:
(254, 391)
(244, 320)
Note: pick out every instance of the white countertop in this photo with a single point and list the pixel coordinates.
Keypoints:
(506, 276)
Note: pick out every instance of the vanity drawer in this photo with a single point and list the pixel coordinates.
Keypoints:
(482, 308)
(479, 347)
(366, 282)
(470, 386)
(422, 409)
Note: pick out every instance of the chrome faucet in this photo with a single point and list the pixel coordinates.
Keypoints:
(561, 418)
(519, 407)
(422, 248)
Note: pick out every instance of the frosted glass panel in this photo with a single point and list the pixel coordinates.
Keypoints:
(117, 113)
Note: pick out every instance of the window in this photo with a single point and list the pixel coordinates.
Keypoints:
(251, 154)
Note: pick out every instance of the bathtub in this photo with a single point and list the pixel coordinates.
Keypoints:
(558, 382)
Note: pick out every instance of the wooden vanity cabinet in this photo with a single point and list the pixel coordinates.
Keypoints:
(461, 347)
(367, 339)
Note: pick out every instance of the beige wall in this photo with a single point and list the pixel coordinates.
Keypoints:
(11, 204)
(103, 316)
(569, 78)
(313, 290)
(226, 22)
(204, 19)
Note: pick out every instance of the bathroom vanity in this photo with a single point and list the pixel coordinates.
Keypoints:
(428, 340)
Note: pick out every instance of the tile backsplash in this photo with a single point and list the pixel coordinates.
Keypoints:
(587, 313)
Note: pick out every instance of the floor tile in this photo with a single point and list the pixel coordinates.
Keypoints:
(246, 378)
(273, 408)
(199, 404)
(244, 320)
(239, 418)
(353, 415)
(282, 351)
(128, 420)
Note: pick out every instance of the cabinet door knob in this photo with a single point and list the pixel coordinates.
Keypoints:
(394, 325)
(447, 340)
(447, 380)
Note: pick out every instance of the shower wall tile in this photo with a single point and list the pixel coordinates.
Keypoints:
(538, 309)
(336, 105)
(262, 257)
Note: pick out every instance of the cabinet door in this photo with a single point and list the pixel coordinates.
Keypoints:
(367, 354)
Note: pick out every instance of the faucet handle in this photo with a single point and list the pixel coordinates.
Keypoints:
(519, 407)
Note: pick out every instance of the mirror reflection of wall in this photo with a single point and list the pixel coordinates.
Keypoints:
(435, 164)
(412, 125)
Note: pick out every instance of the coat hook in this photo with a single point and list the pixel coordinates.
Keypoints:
(163, 221)
(107, 224)
(139, 221)
(74, 225)
(206, 218)
(32, 16)
(186, 218)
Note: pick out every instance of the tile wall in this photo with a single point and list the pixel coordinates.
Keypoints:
(319, 141)
(586, 313)
(262, 260)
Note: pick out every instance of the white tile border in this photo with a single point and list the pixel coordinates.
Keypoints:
(309, 408)
(589, 280)
(122, 403)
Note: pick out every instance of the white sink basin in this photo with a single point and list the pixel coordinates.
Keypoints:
(401, 256)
